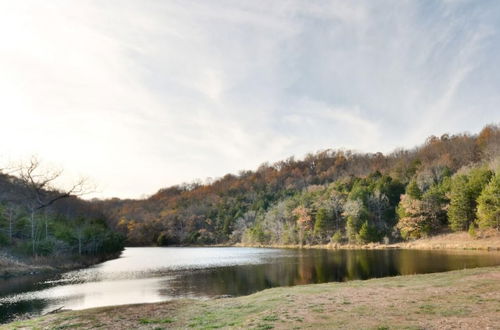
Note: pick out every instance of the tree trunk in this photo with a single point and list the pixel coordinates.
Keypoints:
(10, 226)
(32, 218)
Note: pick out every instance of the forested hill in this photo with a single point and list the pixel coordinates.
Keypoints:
(449, 182)
(37, 219)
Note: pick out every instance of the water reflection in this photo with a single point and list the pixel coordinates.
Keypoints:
(158, 274)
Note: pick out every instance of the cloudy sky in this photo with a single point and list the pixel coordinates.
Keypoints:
(139, 95)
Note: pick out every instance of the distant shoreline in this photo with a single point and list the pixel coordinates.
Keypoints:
(489, 241)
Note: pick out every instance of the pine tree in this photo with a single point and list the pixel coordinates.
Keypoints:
(367, 233)
(413, 190)
(465, 190)
(488, 208)
(321, 222)
(460, 212)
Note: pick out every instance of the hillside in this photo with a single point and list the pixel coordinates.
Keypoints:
(447, 183)
(43, 228)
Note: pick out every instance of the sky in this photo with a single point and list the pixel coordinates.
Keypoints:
(143, 94)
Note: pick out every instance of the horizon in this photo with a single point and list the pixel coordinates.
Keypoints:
(139, 96)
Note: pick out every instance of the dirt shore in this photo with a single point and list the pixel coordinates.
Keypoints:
(464, 299)
(485, 240)
(11, 266)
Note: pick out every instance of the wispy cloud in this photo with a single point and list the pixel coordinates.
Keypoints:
(140, 95)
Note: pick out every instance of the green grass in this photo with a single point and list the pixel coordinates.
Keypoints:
(69, 326)
(270, 318)
(155, 321)
(427, 309)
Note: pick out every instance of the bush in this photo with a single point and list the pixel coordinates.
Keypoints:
(45, 247)
(113, 242)
(368, 233)
(472, 231)
(3, 239)
(164, 239)
(337, 237)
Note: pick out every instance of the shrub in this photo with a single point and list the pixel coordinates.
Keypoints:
(368, 233)
(337, 237)
(472, 231)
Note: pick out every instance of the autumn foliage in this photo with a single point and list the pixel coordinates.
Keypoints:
(356, 197)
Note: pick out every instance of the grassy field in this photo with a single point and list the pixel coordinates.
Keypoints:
(465, 299)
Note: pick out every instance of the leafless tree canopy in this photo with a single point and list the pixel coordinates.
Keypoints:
(40, 184)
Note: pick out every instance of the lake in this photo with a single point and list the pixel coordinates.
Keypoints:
(144, 275)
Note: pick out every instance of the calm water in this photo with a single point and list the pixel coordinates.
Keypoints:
(157, 274)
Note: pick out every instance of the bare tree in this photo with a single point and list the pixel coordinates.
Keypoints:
(10, 218)
(379, 204)
(40, 191)
(336, 206)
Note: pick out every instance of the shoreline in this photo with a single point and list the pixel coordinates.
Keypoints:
(486, 241)
(462, 298)
(13, 267)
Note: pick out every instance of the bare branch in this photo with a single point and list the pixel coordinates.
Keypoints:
(40, 188)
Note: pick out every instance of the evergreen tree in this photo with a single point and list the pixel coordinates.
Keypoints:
(337, 237)
(413, 190)
(488, 208)
(321, 222)
(460, 212)
(367, 233)
(465, 189)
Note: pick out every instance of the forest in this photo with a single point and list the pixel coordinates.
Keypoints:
(449, 183)
(38, 219)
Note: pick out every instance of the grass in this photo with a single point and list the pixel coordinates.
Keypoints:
(69, 326)
(270, 318)
(458, 299)
(155, 321)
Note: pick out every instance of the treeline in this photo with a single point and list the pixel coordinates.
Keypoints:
(449, 182)
(37, 219)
